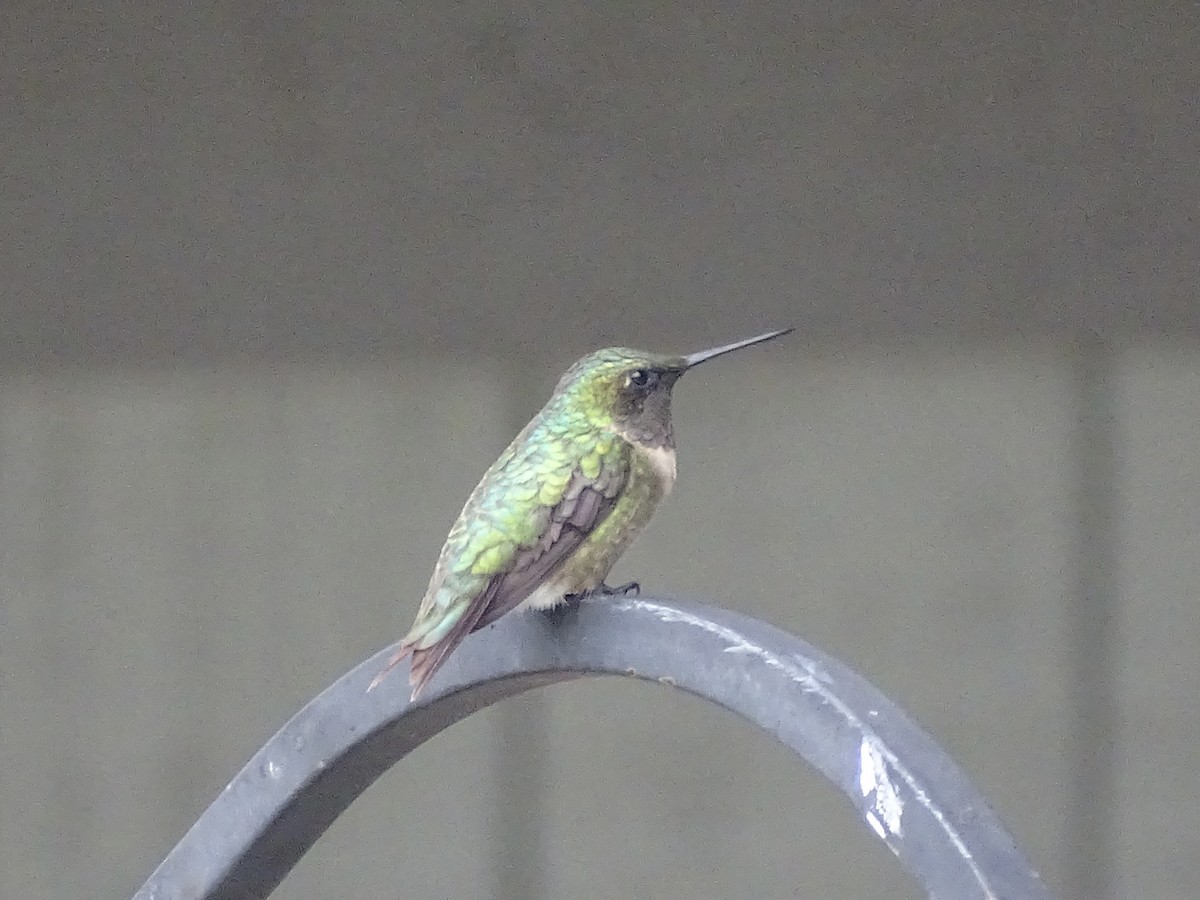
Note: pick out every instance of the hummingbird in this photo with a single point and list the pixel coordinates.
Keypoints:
(566, 498)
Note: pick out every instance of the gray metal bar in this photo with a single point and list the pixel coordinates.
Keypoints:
(900, 782)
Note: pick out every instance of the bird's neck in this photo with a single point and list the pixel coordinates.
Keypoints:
(649, 435)
(661, 463)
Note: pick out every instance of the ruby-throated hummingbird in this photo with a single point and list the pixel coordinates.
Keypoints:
(565, 499)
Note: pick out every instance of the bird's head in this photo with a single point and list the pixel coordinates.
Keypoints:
(630, 390)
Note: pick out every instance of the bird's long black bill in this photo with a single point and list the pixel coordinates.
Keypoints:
(694, 359)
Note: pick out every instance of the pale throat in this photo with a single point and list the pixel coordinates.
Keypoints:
(661, 458)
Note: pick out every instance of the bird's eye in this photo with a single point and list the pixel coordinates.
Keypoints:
(641, 377)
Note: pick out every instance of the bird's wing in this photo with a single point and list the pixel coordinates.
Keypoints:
(522, 551)
(584, 506)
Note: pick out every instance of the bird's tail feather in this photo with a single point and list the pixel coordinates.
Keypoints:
(425, 664)
(396, 659)
(427, 660)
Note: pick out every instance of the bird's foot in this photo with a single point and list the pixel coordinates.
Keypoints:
(630, 588)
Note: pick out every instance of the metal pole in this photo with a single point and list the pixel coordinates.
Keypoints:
(903, 786)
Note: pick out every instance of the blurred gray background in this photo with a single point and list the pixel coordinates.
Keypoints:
(281, 279)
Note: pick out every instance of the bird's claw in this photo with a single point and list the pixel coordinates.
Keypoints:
(630, 588)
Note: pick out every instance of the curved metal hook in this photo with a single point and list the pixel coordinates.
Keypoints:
(903, 785)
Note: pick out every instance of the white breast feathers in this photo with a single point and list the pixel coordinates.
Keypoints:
(662, 461)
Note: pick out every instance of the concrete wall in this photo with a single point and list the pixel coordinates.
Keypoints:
(188, 556)
(278, 280)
